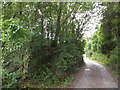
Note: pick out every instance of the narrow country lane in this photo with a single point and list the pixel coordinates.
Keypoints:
(94, 75)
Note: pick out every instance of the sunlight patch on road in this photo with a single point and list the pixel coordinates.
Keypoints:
(87, 69)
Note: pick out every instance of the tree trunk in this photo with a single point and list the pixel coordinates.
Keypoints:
(58, 27)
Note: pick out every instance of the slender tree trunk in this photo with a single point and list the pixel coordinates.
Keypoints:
(58, 27)
(42, 25)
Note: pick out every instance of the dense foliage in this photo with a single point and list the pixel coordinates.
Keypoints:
(42, 41)
(104, 45)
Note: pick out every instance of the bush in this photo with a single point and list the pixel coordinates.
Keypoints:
(47, 76)
(114, 59)
(100, 58)
(9, 80)
(15, 44)
(55, 65)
